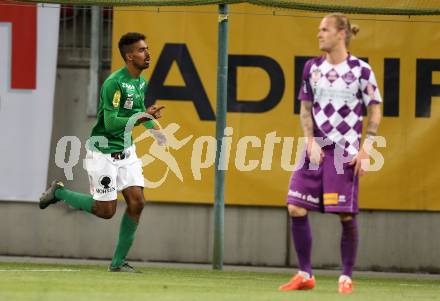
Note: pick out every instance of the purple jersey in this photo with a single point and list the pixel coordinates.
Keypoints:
(337, 93)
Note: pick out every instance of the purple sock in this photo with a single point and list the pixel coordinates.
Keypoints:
(349, 243)
(302, 239)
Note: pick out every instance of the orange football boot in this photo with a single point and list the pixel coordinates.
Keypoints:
(300, 281)
(345, 285)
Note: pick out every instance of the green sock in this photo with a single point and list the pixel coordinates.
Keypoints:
(126, 238)
(77, 200)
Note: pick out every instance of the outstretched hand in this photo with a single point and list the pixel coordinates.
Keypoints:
(155, 111)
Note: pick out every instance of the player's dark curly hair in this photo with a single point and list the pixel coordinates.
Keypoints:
(127, 40)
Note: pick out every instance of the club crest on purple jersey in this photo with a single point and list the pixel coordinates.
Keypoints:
(349, 77)
(332, 75)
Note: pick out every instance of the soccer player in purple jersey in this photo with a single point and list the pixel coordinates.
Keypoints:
(335, 87)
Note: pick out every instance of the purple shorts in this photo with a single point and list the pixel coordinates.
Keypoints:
(324, 189)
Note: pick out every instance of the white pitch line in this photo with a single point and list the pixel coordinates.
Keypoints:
(40, 270)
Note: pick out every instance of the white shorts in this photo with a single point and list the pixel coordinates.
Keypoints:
(107, 175)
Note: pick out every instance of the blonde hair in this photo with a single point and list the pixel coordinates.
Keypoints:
(343, 23)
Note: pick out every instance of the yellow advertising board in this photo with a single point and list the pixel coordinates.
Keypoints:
(267, 50)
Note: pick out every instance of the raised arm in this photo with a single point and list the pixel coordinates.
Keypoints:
(110, 97)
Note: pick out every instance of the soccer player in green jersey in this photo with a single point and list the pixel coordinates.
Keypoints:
(111, 162)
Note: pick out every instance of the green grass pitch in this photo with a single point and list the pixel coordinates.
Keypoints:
(50, 282)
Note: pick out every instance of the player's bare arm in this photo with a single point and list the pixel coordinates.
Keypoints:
(314, 152)
(374, 118)
(306, 118)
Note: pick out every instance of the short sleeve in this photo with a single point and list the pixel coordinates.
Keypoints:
(368, 86)
(110, 95)
(305, 92)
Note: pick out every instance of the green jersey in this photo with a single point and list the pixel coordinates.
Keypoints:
(121, 97)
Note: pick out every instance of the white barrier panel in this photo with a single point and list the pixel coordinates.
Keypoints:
(28, 58)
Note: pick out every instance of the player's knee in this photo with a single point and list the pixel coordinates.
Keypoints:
(107, 212)
(136, 206)
(140, 205)
(296, 211)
